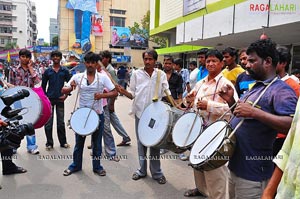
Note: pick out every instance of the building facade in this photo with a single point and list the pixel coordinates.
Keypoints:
(53, 28)
(111, 14)
(24, 22)
(6, 22)
(221, 23)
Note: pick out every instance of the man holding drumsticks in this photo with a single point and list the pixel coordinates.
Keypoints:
(91, 85)
(205, 100)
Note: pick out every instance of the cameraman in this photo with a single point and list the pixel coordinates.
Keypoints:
(6, 143)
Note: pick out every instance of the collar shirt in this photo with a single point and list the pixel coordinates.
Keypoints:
(87, 91)
(203, 72)
(216, 106)
(232, 74)
(20, 77)
(142, 88)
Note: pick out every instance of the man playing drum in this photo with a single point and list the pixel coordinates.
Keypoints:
(205, 100)
(142, 91)
(251, 165)
(91, 85)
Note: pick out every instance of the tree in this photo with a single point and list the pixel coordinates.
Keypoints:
(55, 41)
(46, 44)
(144, 28)
(10, 45)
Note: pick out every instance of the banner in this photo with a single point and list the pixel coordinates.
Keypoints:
(122, 37)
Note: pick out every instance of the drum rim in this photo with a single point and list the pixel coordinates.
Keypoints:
(192, 155)
(92, 112)
(201, 129)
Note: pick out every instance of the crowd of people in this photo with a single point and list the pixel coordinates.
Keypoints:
(249, 88)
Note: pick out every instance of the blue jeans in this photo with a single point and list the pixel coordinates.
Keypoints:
(108, 138)
(82, 26)
(115, 122)
(60, 124)
(31, 142)
(96, 147)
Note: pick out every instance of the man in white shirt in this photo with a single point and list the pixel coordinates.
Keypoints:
(142, 90)
(91, 85)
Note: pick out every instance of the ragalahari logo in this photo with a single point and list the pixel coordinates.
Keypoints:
(277, 8)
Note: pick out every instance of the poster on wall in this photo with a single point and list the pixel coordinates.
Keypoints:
(190, 6)
(83, 12)
(97, 25)
(122, 37)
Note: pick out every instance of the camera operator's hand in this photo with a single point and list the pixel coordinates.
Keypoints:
(2, 123)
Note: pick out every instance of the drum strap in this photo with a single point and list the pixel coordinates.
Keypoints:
(78, 93)
(155, 98)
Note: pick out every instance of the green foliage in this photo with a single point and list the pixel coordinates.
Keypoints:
(11, 45)
(46, 44)
(143, 29)
(55, 41)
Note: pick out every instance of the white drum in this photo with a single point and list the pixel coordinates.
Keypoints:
(186, 130)
(32, 105)
(84, 121)
(155, 126)
(213, 148)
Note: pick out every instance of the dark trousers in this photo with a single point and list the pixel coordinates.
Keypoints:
(6, 157)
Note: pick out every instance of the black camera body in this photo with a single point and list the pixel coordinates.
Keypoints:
(12, 134)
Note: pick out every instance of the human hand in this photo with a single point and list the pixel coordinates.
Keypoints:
(202, 104)
(244, 109)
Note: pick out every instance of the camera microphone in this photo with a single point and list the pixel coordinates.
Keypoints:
(10, 99)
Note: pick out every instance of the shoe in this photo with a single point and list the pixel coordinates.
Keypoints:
(193, 193)
(183, 157)
(34, 151)
(100, 172)
(125, 142)
(67, 172)
(136, 176)
(17, 170)
(163, 151)
(49, 147)
(161, 180)
(89, 146)
(66, 146)
(86, 47)
(76, 45)
(114, 158)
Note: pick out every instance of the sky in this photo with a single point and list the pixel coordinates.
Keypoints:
(45, 10)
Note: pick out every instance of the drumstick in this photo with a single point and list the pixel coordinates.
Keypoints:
(170, 98)
(108, 74)
(190, 131)
(89, 114)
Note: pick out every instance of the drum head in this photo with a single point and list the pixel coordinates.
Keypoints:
(154, 123)
(32, 104)
(84, 121)
(208, 142)
(183, 133)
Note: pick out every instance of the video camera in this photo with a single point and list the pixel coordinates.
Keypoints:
(14, 132)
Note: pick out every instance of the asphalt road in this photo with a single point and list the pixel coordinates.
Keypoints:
(44, 179)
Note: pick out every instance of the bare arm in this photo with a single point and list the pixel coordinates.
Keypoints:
(121, 90)
(271, 188)
(110, 94)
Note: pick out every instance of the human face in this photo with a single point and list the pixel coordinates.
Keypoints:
(201, 59)
(149, 61)
(243, 59)
(255, 66)
(214, 66)
(228, 60)
(56, 59)
(24, 60)
(168, 65)
(105, 61)
(91, 66)
(192, 67)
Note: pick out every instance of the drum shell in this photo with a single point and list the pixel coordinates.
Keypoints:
(221, 155)
(163, 116)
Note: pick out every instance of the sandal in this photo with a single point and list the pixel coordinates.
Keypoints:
(67, 172)
(16, 170)
(100, 172)
(161, 180)
(193, 193)
(136, 176)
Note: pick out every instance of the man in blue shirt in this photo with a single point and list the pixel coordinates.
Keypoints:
(251, 165)
(55, 77)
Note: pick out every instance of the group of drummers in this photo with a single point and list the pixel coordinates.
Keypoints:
(229, 134)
